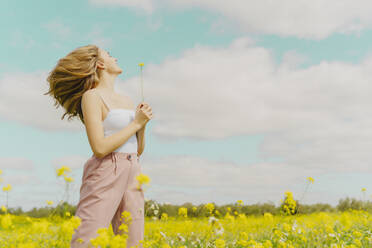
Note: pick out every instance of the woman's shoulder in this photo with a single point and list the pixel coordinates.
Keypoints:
(89, 96)
(90, 92)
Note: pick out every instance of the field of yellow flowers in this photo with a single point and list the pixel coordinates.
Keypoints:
(347, 229)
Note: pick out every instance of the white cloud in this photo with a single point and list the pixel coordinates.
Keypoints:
(316, 117)
(20, 39)
(293, 59)
(74, 162)
(31, 187)
(19, 180)
(57, 27)
(96, 36)
(20, 173)
(181, 179)
(11, 163)
(18, 90)
(304, 19)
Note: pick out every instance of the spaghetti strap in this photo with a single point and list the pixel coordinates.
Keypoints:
(104, 101)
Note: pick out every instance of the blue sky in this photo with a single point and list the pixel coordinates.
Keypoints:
(260, 106)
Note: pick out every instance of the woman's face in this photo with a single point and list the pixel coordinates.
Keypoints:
(109, 62)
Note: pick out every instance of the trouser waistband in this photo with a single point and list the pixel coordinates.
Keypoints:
(129, 156)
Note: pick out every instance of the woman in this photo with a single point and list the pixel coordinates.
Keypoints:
(83, 83)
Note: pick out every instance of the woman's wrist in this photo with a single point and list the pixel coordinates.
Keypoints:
(142, 128)
(138, 125)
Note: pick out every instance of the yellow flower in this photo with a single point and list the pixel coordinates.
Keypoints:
(62, 169)
(268, 217)
(286, 227)
(164, 216)
(240, 202)
(49, 202)
(6, 221)
(126, 217)
(364, 189)
(210, 207)
(310, 179)
(102, 239)
(80, 240)
(140, 64)
(3, 208)
(182, 211)
(68, 179)
(142, 179)
(357, 234)
(67, 213)
(289, 203)
(220, 243)
(267, 244)
(229, 217)
(1, 171)
(243, 235)
(7, 187)
(357, 242)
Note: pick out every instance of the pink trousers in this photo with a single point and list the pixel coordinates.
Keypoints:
(109, 187)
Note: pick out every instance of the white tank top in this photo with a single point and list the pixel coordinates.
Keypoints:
(116, 119)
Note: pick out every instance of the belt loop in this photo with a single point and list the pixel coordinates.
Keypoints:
(113, 157)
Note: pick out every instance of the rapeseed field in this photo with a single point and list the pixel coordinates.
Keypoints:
(234, 229)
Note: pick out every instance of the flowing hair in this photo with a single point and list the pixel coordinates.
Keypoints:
(71, 77)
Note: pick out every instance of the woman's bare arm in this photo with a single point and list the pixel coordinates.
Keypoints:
(92, 112)
(141, 140)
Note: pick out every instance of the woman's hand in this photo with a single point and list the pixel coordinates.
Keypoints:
(143, 113)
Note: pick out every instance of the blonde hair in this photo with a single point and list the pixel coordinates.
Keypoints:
(71, 77)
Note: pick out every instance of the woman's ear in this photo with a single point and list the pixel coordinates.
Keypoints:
(100, 65)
